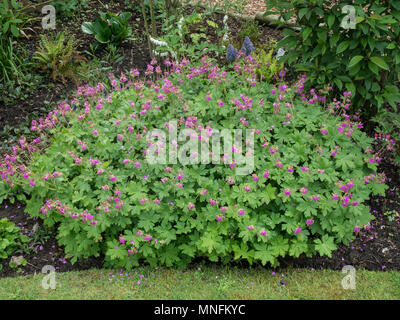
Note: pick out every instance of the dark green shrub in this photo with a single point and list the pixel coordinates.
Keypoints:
(364, 60)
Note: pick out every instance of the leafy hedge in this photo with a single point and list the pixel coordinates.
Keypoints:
(313, 170)
(363, 58)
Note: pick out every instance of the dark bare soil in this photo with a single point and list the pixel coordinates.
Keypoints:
(134, 54)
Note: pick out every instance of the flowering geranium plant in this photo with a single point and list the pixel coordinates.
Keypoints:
(313, 169)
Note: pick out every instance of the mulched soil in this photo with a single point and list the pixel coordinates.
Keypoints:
(375, 249)
(54, 92)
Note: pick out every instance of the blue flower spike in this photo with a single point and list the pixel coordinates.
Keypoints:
(248, 46)
(231, 53)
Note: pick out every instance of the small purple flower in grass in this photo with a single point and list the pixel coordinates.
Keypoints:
(263, 232)
(298, 230)
(356, 229)
(241, 212)
(309, 222)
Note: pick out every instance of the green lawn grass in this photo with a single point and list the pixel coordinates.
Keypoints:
(206, 283)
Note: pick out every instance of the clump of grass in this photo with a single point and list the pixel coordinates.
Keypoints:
(203, 283)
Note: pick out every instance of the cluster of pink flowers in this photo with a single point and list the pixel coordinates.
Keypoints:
(77, 160)
(62, 209)
(245, 103)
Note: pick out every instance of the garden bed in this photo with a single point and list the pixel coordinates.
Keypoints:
(374, 249)
(377, 248)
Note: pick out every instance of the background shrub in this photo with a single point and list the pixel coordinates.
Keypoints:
(364, 60)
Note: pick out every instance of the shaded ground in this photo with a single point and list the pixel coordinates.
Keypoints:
(13, 113)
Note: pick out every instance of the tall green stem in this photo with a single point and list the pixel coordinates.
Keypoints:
(153, 21)
(146, 26)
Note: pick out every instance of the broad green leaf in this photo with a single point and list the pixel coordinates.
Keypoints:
(87, 27)
(342, 46)
(380, 63)
(325, 246)
(355, 60)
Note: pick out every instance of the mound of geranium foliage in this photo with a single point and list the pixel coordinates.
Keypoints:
(90, 173)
